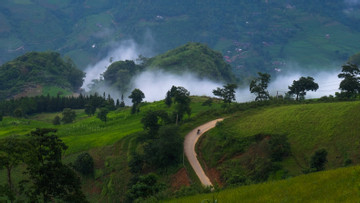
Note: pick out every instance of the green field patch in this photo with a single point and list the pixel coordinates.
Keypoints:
(88, 132)
(340, 185)
(53, 91)
(308, 127)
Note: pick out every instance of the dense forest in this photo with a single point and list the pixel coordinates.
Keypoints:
(40, 104)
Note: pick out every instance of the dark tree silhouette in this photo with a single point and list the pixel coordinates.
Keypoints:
(259, 85)
(49, 177)
(12, 153)
(153, 120)
(136, 97)
(90, 109)
(84, 164)
(350, 85)
(168, 99)
(227, 93)
(299, 87)
(182, 100)
(56, 120)
(69, 115)
(318, 160)
(102, 115)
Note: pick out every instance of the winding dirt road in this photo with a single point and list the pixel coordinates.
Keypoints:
(189, 148)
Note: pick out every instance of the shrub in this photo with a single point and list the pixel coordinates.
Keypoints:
(84, 164)
(208, 102)
(348, 162)
(280, 147)
(56, 120)
(18, 113)
(69, 115)
(318, 160)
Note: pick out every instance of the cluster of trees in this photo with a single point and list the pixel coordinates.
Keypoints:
(46, 178)
(120, 73)
(259, 85)
(161, 148)
(227, 93)
(161, 145)
(180, 97)
(162, 130)
(349, 86)
(40, 104)
(136, 97)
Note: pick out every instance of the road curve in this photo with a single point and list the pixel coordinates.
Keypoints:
(189, 149)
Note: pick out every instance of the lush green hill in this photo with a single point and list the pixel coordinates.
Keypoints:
(35, 73)
(111, 144)
(252, 35)
(340, 185)
(195, 58)
(240, 149)
(308, 127)
(90, 132)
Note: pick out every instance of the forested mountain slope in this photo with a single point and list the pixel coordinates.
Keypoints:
(35, 70)
(195, 58)
(252, 35)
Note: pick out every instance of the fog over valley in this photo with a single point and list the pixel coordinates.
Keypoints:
(155, 83)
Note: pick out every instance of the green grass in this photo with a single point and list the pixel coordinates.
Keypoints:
(340, 185)
(309, 127)
(109, 144)
(89, 132)
(54, 91)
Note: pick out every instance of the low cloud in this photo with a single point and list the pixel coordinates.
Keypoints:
(125, 50)
(327, 80)
(155, 84)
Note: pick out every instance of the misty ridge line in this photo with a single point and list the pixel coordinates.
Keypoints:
(155, 83)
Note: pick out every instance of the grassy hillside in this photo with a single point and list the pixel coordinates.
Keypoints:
(340, 185)
(111, 144)
(90, 132)
(308, 127)
(234, 147)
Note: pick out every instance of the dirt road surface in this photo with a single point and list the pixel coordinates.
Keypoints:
(189, 149)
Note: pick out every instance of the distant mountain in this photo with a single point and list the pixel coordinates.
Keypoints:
(194, 58)
(30, 73)
(253, 36)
